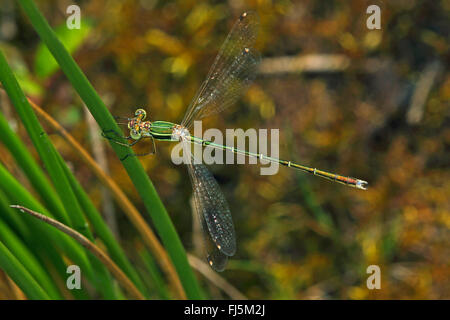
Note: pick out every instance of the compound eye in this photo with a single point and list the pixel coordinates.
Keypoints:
(135, 134)
(140, 113)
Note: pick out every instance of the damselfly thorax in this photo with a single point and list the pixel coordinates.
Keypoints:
(159, 130)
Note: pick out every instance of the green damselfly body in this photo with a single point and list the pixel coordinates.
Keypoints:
(232, 71)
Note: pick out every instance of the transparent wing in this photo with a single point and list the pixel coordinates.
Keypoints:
(232, 71)
(216, 259)
(213, 212)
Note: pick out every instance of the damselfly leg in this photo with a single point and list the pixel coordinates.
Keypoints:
(142, 154)
(153, 151)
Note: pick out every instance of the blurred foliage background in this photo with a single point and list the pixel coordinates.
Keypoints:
(372, 104)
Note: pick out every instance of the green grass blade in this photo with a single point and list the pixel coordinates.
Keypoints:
(27, 259)
(155, 274)
(12, 219)
(102, 279)
(44, 63)
(32, 125)
(32, 170)
(47, 238)
(41, 185)
(133, 167)
(17, 194)
(55, 169)
(43, 145)
(103, 232)
(16, 271)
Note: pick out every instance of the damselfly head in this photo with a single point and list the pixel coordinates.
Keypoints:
(134, 125)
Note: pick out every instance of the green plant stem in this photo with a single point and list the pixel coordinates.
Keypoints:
(49, 157)
(20, 275)
(27, 259)
(132, 165)
(113, 268)
(30, 167)
(16, 193)
(103, 231)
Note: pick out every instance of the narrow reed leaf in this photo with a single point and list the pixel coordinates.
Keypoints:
(132, 165)
(44, 147)
(148, 237)
(155, 274)
(16, 193)
(103, 232)
(45, 190)
(6, 214)
(28, 260)
(19, 274)
(29, 166)
(123, 279)
(48, 154)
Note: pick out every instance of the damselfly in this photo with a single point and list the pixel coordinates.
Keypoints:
(233, 70)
